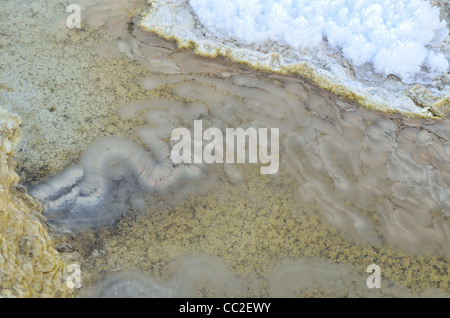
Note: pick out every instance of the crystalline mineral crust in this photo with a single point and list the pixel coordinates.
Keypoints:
(327, 66)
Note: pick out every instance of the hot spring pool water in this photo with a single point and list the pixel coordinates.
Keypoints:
(355, 186)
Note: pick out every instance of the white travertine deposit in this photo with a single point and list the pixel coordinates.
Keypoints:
(342, 46)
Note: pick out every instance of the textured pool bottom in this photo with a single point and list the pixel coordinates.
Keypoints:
(375, 178)
(372, 176)
(252, 228)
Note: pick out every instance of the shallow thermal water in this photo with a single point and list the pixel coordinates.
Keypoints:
(355, 187)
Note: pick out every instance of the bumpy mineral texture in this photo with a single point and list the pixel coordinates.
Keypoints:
(29, 265)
